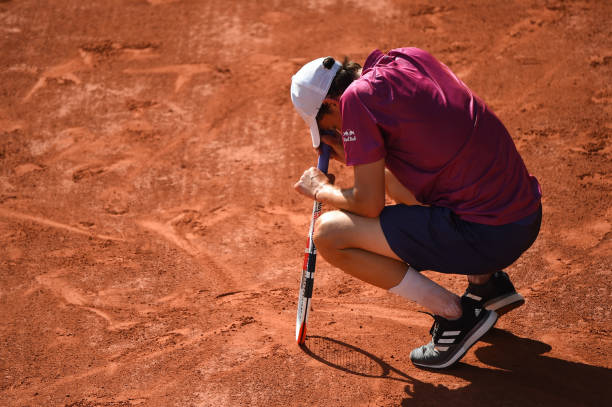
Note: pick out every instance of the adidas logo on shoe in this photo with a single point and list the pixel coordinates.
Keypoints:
(451, 339)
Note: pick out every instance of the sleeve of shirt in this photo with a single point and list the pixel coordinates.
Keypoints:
(361, 137)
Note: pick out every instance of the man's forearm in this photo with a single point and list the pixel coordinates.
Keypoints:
(350, 200)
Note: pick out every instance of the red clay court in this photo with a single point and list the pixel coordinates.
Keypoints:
(151, 242)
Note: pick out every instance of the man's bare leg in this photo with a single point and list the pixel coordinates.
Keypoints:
(357, 245)
(479, 278)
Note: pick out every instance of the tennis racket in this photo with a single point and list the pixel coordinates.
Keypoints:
(351, 359)
(310, 259)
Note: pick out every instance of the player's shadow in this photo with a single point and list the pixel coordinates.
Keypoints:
(519, 375)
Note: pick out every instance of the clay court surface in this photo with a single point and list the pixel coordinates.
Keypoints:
(151, 243)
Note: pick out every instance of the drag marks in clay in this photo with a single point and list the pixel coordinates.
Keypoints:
(433, 16)
(589, 235)
(397, 316)
(523, 30)
(167, 232)
(72, 296)
(48, 222)
(64, 73)
(602, 97)
(186, 230)
(183, 73)
(131, 357)
(87, 171)
(23, 169)
(157, 2)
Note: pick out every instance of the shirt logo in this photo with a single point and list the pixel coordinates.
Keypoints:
(349, 135)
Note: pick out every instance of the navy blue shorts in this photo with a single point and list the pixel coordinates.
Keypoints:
(435, 238)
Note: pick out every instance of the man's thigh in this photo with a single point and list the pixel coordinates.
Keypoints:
(345, 230)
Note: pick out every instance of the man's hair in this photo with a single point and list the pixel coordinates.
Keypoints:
(344, 77)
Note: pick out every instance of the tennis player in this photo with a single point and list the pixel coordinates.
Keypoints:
(465, 202)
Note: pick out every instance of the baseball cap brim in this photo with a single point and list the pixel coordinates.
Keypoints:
(314, 132)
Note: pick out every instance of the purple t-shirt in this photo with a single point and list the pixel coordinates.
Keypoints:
(437, 137)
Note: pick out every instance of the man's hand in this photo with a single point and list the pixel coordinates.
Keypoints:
(365, 198)
(312, 181)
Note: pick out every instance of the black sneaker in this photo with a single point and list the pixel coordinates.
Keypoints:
(497, 294)
(451, 339)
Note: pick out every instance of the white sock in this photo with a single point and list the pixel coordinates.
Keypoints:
(418, 288)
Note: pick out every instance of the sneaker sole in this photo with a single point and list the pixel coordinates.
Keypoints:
(477, 332)
(505, 304)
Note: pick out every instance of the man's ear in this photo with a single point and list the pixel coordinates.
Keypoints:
(334, 103)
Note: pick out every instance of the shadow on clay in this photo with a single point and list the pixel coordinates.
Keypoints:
(351, 359)
(519, 374)
(522, 374)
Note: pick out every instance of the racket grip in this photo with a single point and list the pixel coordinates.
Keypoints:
(323, 163)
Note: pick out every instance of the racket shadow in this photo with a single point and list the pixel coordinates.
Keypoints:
(351, 359)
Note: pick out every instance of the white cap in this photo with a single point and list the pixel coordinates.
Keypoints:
(309, 86)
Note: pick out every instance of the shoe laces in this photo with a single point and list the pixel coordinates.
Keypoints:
(435, 327)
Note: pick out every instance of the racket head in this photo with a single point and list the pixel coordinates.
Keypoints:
(351, 359)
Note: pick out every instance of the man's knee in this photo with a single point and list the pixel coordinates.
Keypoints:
(328, 232)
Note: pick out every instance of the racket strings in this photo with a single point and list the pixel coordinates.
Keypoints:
(344, 357)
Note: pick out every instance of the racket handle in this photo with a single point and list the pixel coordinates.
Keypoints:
(324, 157)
